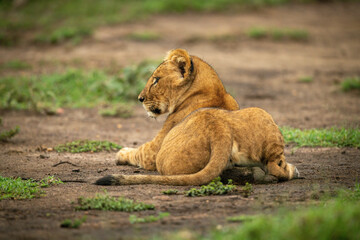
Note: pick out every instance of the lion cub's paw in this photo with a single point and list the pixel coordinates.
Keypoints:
(123, 156)
(270, 179)
(261, 177)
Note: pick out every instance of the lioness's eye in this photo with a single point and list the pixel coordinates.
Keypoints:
(156, 79)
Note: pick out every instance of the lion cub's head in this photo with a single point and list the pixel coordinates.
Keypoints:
(168, 83)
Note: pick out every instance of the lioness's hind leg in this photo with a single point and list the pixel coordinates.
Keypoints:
(279, 168)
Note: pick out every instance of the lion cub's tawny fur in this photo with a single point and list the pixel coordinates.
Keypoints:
(180, 85)
(203, 134)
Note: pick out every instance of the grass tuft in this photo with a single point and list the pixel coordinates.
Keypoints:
(16, 65)
(145, 36)
(333, 137)
(76, 223)
(107, 203)
(247, 189)
(241, 218)
(134, 219)
(278, 34)
(216, 187)
(349, 195)
(350, 84)
(64, 34)
(257, 33)
(16, 188)
(5, 135)
(117, 110)
(50, 180)
(170, 192)
(306, 79)
(87, 146)
(289, 34)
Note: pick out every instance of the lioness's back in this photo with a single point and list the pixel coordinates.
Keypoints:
(253, 130)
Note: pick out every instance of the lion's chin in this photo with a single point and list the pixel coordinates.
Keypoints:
(151, 114)
(154, 112)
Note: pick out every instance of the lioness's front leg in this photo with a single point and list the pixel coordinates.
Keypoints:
(143, 156)
(126, 156)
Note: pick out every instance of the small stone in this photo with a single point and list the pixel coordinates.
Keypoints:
(60, 111)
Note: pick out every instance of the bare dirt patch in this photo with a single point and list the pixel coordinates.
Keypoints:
(258, 73)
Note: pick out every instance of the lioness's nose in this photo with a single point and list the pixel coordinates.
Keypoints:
(141, 99)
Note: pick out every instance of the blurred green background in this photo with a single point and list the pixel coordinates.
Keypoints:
(60, 20)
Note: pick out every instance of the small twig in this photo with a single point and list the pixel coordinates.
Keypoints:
(75, 181)
(63, 162)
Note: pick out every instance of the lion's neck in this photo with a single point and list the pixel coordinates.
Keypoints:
(191, 104)
(205, 91)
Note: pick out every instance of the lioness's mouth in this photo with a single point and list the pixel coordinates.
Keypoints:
(155, 110)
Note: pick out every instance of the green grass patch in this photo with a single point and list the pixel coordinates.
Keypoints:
(16, 188)
(107, 203)
(49, 181)
(144, 36)
(289, 34)
(217, 38)
(333, 137)
(16, 65)
(74, 89)
(63, 20)
(64, 34)
(247, 190)
(134, 219)
(335, 221)
(350, 84)
(87, 146)
(5, 135)
(19, 189)
(306, 79)
(278, 34)
(215, 187)
(337, 218)
(241, 218)
(76, 223)
(117, 110)
(257, 33)
(170, 192)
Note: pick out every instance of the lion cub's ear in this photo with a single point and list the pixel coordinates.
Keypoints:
(182, 59)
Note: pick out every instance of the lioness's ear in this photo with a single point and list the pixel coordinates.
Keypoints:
(182, 59)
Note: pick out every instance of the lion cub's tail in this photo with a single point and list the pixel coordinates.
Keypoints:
(220, 154)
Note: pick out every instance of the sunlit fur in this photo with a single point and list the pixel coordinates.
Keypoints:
(203, 133)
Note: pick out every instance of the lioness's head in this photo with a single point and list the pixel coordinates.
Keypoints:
(168, 83)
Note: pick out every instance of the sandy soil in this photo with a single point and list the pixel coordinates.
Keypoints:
(258, 73)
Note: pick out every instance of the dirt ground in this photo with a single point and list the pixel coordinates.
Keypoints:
(258, 73)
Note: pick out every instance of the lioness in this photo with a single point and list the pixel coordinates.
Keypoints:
(203, 134)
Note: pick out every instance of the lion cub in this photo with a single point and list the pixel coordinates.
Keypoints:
(204, 133)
